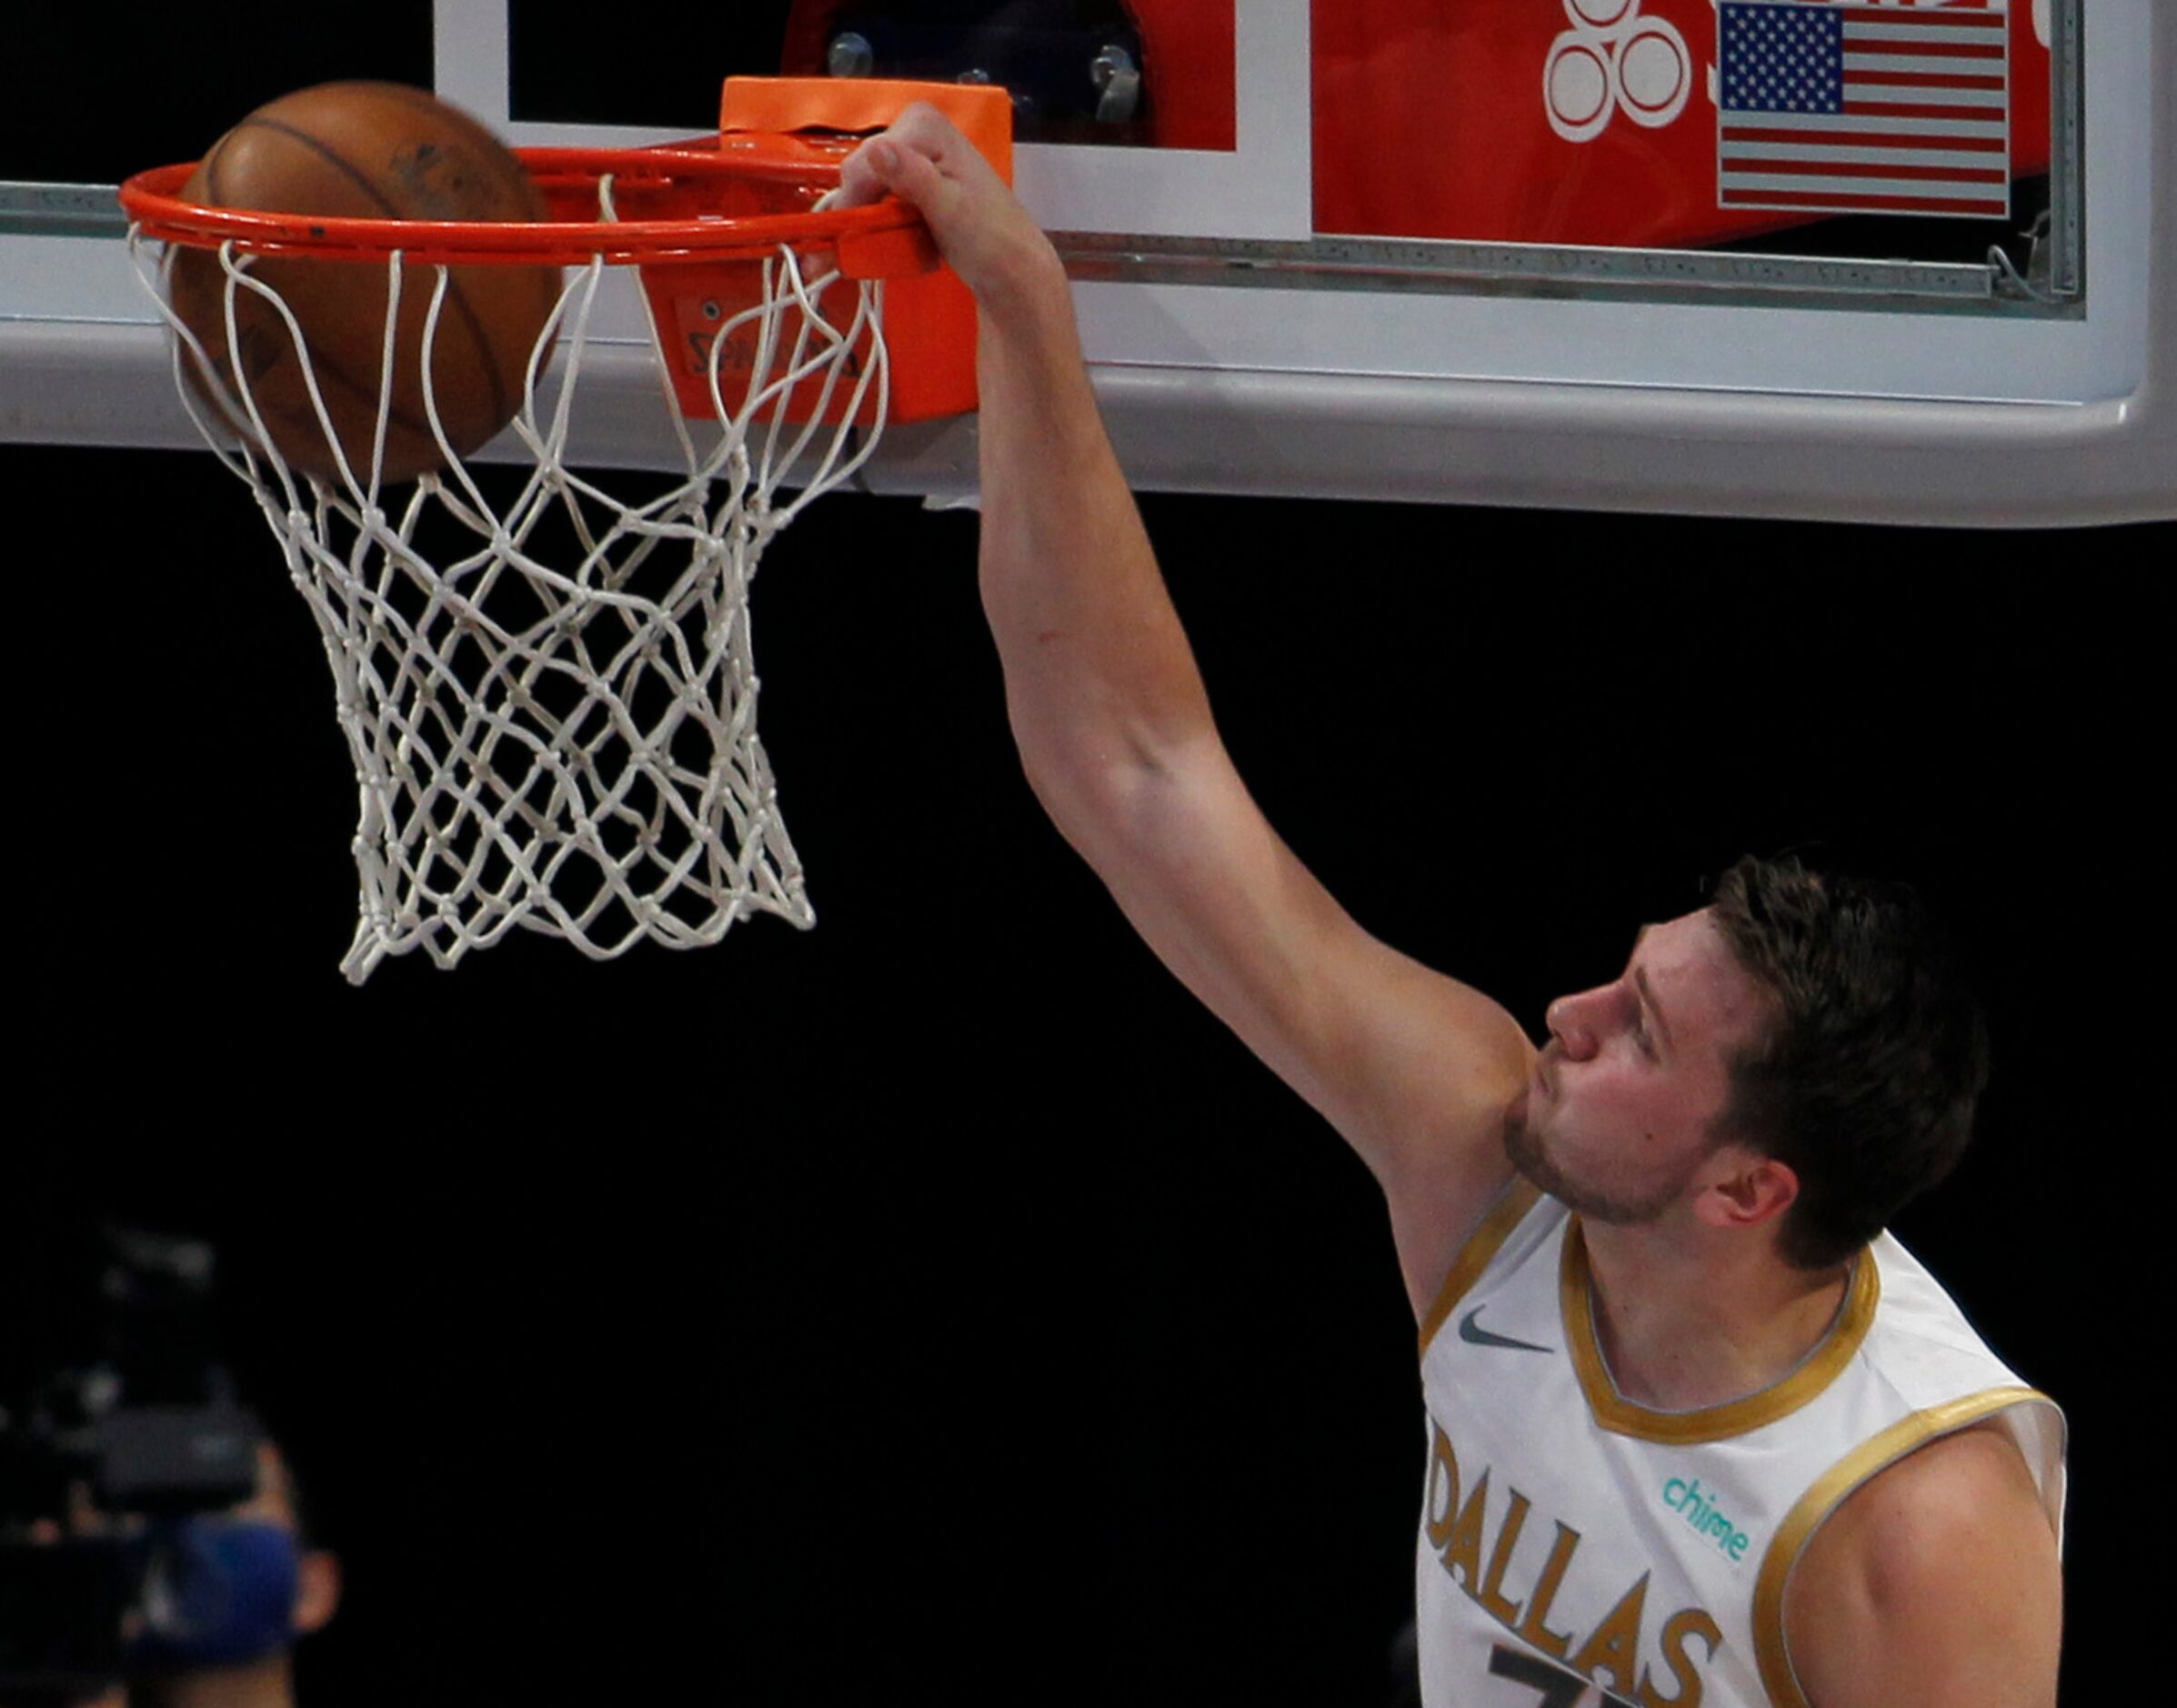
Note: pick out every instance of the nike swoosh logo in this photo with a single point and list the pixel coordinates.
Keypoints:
(1474, 1334)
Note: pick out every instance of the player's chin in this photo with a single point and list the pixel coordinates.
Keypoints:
(1523, 1144)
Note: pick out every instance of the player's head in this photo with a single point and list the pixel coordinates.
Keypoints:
(1865, 1081)
(1796, 1055)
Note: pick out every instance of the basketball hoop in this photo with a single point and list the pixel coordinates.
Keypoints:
(550, 703)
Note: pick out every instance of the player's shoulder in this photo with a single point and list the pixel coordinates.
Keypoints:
(1938, 1492)
(1938, 1576)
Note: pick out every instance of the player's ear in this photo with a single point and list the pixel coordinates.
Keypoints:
(1745, 1189)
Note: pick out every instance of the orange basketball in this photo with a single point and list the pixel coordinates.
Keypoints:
(369, 150)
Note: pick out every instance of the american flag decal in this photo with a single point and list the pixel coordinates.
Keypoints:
(1854, 108)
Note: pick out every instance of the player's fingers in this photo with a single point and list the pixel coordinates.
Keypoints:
(914, 177)
(862, 177)
(920, 134)
(889, 162)
(923, 126)
(859, 181)
(923, 159)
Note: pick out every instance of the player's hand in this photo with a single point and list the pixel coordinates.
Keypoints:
(985, 235)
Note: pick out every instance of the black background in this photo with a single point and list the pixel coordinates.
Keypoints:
(939, 1304)
(938, 1301)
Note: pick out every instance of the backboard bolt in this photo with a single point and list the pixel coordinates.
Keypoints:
(974, 74)
(850, 55)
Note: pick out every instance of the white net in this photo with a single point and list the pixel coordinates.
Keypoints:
(550, 700)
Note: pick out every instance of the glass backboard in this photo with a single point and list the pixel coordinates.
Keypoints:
(1900, 259)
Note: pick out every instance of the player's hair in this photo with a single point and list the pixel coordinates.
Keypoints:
(1866, 1079)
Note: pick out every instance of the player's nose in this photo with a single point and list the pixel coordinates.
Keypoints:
(1567, 1019)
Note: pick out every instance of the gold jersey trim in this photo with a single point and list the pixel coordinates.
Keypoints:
(1508, 1211)
(1878, 1452)
(1620, 1416)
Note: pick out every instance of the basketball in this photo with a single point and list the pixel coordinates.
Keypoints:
(382, 151)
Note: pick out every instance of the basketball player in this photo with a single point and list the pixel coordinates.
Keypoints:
(1699, 1430)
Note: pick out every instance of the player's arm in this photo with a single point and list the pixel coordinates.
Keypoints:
(1937, 1584)
(1115, 735)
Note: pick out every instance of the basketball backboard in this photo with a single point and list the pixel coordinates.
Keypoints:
(1906, 260)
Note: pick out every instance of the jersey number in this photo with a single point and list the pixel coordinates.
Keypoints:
(1560, 1687)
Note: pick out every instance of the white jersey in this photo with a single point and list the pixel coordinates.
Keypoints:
(1576, 1549)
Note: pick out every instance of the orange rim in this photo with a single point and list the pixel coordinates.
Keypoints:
(149, 200)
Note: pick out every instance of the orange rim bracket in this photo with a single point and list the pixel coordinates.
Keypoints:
(864, 106)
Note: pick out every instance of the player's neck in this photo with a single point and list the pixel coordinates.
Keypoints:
(1687, 1326)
